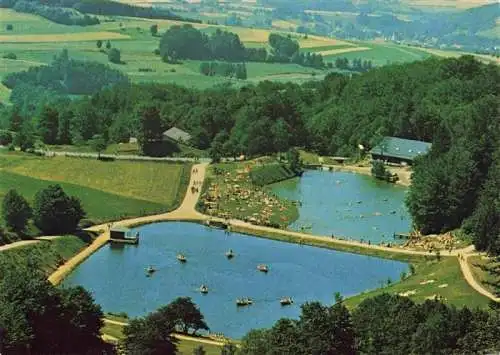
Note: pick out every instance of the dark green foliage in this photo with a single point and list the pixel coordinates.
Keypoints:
(5, 138)
(385, 324)
(154, 29)
(113, 8)
(99, 44)
(9, 27)
(484, 224)
(185, 315)
(199, 350)
(152, 334)
(98, 144)
(60, 15)
(228, 349)
(15, 211)
(237, 70)
(379, 171)
(108, 45)
(25, 137)
(55, 212)
(271, 173)
(10, 55)
(114, 56)
(396, 325)
(48, 124)
(37, 318)
(294, 161)
(283, 47)
(67, 75)
(319, 330)
(184, 42)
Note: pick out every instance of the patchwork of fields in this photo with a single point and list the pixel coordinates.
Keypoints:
(35, 40)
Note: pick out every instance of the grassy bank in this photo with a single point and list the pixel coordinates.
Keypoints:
(445, 271)
(230, 193)
(443, 279)
(270, 174)
(47, 254)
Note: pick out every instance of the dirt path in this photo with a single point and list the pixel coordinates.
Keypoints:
(22, 243)
(467, 272)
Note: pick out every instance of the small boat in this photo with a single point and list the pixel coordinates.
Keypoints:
(229, 254)
(240, 302)
(181, 258)
(286, 301)
(203, 289)
(262, 267)
(150, 270)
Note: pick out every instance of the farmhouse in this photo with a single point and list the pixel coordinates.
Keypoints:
(177, 135)
(398, 150)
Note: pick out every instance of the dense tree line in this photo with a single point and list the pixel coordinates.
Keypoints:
(357, 64)
(236, 70)
(383, 324)
(53, 212)
(67, 76)
(187, 42)
(60, 15)
(69, 12)
(38, 318)
(450, 102)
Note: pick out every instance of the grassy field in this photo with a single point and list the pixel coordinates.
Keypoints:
(382, 53)
(47, 254)
(136, 44)
(149, 181)
(443, 279)
(108, 190)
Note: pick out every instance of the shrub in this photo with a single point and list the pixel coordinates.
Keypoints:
(10, 56)
(114, 56)
(9, 27)
(15, 211)
(5, 138)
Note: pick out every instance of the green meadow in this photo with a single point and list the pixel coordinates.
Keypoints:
(108, 190)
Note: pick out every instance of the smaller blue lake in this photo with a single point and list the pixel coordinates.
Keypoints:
(116, 275)
(348, 205)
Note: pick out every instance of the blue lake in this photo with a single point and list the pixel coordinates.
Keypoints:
(348, 205)
(116, 275)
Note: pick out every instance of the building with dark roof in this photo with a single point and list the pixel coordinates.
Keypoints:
(399, 150)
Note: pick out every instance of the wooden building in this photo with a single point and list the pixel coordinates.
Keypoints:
(399, 151)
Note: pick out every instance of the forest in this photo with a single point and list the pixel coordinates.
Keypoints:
(64, 16)
(385, 324)
(449, 102)
(66, 76)
(69, 12)
(187, 42)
